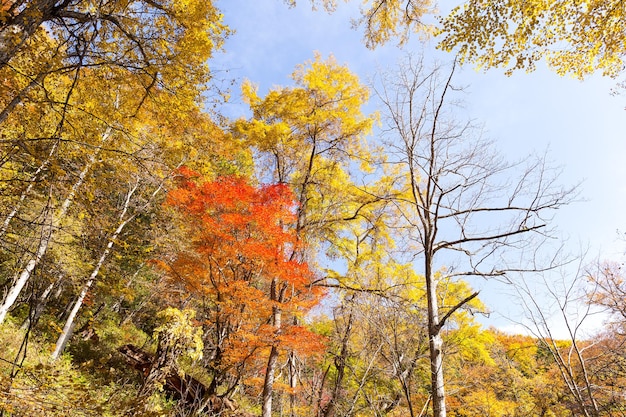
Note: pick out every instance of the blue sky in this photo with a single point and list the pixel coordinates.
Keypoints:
(580, 123)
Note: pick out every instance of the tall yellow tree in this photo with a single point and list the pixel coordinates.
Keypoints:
(312, 137)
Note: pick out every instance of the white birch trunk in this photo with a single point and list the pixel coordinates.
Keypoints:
(26, 273)
(270, 370)
(27, 191)
(69, 323)
(435, 342)
(66, 334)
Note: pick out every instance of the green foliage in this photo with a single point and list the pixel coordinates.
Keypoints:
(36, 387)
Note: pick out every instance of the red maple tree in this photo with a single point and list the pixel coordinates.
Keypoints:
(242, 270)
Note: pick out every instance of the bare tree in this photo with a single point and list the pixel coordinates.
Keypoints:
(461, 206)
(559, 314)
(577, 316)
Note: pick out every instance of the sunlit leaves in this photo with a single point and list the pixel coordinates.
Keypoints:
(323, 110)
(312, 137)
(386, 20)
(177, 328)
(576, 38)
(239, 268)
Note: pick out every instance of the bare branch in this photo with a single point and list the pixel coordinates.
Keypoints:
(442, 321)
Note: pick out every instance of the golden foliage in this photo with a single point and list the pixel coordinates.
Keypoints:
(574, 37)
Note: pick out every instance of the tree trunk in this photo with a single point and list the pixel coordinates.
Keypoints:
(34, 178)
(293, 383)
(270, 370)
(26, 273)
(21, 279)
(20, 26)
(69, 323)
(268, 384)
(340, 365)
(40, 305)
(435, 344)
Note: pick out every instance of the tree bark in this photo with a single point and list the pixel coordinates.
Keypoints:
(47, 232)
(270, 369)
(435, 343)
(268, 384)
(68, 329)
(293, 383)
(20, 26)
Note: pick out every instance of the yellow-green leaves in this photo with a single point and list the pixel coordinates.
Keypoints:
(384, 20)
(311, 136)
(177, 328)
(324, 108)
(576, 38)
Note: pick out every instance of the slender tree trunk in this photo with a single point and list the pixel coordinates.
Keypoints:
(26, 273)
(435, 343)
(268, 384)
(28, 190)
(66, 334)
(293, 383)
(405, 381)
(340, 365)
(589, 409)
(20, 280)
(69, 323)
(40, 305)
(270, 370)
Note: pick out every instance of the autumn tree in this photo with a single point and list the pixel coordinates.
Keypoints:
(309, 137)
(156, 43)
(460, 203)
(249, 289)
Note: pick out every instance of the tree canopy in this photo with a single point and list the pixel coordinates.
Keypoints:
(575, 38)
